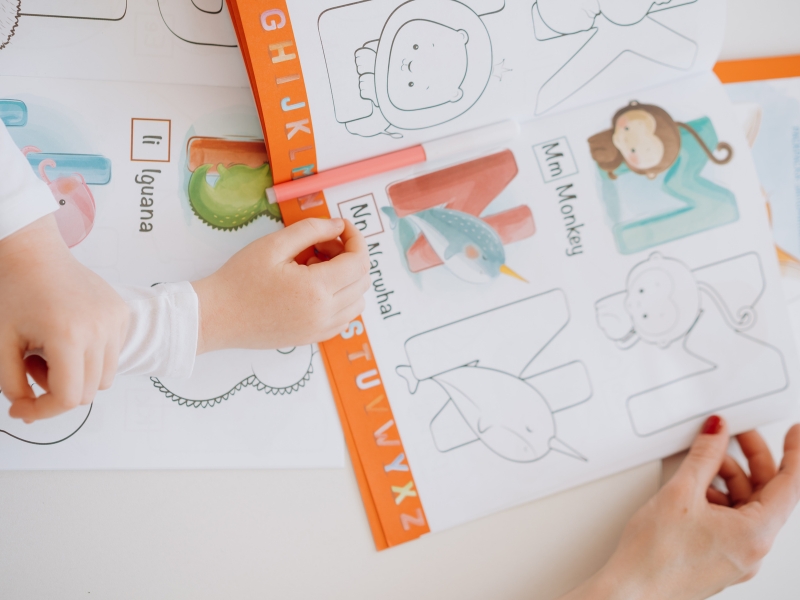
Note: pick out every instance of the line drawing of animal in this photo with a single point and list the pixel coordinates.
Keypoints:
(695, 321)
(219, 375)
(487, 365)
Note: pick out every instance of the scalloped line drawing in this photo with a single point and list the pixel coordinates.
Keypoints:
(274, 372)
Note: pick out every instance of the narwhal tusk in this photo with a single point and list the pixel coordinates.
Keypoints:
(507, 271)
(558, 446)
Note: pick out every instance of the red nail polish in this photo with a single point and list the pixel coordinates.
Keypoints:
(712, 426)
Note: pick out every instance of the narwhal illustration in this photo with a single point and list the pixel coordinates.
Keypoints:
(469, 248)
(497, 393)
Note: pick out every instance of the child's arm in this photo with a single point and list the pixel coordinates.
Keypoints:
(261, 298)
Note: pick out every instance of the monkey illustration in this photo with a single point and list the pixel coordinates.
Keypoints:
(647, 140)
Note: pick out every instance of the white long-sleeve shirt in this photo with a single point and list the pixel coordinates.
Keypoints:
(162, 335)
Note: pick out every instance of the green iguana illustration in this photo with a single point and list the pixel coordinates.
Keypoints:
(237, 198)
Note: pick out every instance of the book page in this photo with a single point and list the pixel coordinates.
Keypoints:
(386, 74)
(164, 41)
(565, 307)
(147, 175)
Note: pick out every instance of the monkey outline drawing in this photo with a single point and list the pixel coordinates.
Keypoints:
(697, 319)
(645, 141)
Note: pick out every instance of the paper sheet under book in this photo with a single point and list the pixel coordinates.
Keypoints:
(164, 41)
(157, 160)
(770, 115)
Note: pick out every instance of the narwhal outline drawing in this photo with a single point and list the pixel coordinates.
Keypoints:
(496, 395)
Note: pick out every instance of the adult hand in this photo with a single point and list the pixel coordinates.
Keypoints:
(691, 540)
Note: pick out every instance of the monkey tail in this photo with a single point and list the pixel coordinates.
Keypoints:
(722, 146)
(744, 318)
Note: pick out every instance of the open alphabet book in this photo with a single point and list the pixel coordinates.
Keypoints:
(546, 312)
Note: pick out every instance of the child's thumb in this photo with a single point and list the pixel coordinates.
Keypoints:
(706, 455)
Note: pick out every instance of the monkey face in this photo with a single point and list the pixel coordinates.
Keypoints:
(662, 300)
(635, 137)
(650, 304)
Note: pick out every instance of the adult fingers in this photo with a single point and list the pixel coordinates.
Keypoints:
(762, 464)
(13, 377)
(780, 495)
(304, 234)
(739, 487)
(705, 456)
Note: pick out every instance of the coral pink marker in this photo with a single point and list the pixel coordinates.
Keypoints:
(475, 139)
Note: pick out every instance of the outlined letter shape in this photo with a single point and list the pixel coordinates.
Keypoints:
(491, 339)
(202, 23)
(95, 10)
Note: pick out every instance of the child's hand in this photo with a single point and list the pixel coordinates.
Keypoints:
(51, 303)
(263, 298)
(690, 540)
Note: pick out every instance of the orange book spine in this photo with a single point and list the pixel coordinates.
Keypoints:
(385, 479)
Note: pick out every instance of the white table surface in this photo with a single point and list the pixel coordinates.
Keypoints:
(304, 534)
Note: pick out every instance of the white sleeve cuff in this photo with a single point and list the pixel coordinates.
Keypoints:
(24, 197)
(163, 329)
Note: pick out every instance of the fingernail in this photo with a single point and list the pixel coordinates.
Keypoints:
(712, 426)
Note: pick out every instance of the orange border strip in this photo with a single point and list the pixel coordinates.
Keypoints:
(387, 486)
(758, 69)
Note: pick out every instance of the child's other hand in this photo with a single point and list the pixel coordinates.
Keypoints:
(51, 303)
(264, 298)
(690, 541)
